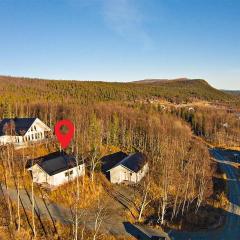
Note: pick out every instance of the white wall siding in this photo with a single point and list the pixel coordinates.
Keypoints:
(117, 174)
(140, 174)
(39, 176)
(120, 174)
(36, 132)
(68, 175)
(6, 139)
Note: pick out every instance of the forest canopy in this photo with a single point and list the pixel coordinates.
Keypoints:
(35, 90)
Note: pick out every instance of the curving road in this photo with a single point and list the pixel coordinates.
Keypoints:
(231, 230)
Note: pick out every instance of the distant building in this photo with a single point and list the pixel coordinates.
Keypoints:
(55, 169)
(20, 131)
(130, 169)
(163, 107)
(226, 125)
(191, 109)
(236, 156)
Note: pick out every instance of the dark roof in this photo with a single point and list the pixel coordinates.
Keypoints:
(134, 162)
(56, 162)
(111, 160)
(21, 125)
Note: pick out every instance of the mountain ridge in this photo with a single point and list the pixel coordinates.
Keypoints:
(177, 90)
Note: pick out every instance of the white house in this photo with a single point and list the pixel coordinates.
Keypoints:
(130, 169)
(20, 131)
(55, 169)
(191, 109)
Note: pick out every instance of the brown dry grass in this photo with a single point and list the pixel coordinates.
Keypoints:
(66, 194)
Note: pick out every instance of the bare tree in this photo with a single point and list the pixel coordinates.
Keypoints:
(18, 204)
(78, 196)
(94, 161)
(146, 200)
(99, 217)
(33, 203)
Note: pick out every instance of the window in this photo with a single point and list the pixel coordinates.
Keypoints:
(35, 128)
(69, 173)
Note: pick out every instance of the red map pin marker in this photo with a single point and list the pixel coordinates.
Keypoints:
(64, 138)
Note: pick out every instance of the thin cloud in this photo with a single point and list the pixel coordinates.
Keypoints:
(125, 19)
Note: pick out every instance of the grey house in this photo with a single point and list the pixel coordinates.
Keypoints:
(130, 169)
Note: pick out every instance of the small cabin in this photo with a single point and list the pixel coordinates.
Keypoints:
(131, 169)
(55, 169)
(109, 161)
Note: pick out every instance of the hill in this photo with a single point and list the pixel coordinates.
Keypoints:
(233, 92)
(157, 81)
(35, 90)
(188, 89)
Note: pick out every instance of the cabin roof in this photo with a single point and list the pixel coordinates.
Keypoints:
(21, 125)
(111, 160)
(133, 162)
(54, 163)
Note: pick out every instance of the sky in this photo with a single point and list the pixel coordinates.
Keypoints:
(122, 40)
